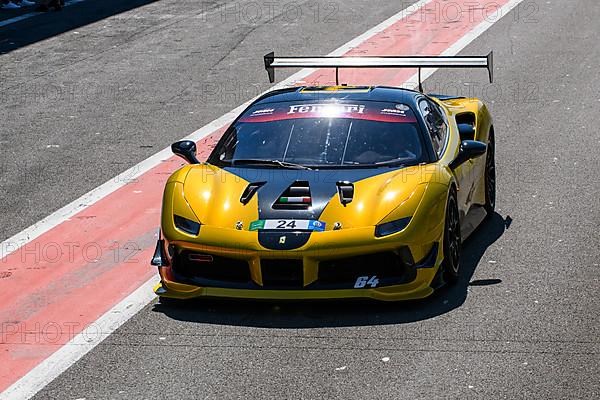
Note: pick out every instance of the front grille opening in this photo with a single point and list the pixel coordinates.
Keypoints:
(207, 266)
(286, 273)
(384, 265)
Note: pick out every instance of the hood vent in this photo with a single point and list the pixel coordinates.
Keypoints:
(345, 191)
(296, 196)
(249, 191)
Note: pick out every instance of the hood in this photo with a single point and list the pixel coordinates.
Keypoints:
(213, 194)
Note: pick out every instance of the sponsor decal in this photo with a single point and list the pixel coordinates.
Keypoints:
(288, 224)
(399, 109)
(390, 111)
(326, 109)
(265, 111)
(256, 225)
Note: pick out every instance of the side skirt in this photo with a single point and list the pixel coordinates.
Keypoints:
(472, 220)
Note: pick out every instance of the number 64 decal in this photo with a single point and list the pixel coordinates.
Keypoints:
(363, 281)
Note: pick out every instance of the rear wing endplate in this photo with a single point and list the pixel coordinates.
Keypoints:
(272, 63)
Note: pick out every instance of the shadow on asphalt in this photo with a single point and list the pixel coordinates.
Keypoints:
(313, 314)
(52, 23)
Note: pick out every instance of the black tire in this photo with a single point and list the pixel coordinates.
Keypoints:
(452, 240)
(490, 177)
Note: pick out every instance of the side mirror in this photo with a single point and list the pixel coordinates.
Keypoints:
(185, 149)
(469, 149)
(466, 131)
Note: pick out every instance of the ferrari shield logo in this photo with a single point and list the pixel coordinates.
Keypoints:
(282, 240)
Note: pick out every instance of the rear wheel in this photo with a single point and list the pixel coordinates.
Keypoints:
(452, 240)
(490, 177)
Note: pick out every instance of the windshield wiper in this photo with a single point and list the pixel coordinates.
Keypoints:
(259, 161)
(396, 162)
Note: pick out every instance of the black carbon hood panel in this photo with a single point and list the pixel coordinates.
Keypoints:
(322, 185)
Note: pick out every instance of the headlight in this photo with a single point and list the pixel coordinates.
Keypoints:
(391, 227)
(186, 225)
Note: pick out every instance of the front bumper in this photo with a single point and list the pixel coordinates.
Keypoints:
(319, 270)
(418, 289)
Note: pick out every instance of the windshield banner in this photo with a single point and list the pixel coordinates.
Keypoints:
(373, 111)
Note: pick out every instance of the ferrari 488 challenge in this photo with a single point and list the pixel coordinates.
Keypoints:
(331, 192)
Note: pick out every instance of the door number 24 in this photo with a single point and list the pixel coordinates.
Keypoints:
(363, 281)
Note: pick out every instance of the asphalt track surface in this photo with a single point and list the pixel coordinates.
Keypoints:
(84, 105)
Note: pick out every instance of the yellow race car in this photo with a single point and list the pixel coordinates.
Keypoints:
(331, 192)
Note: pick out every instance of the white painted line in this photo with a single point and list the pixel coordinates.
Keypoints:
(62, 359)
(33, 14)
(79, 345)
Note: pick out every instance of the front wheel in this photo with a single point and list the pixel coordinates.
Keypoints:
(452, 240)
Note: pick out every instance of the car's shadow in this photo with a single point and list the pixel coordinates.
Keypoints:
(311, 314)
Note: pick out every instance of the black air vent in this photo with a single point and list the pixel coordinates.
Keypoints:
(193, 266)
(249, 191)
(345, 191)
(297, 196)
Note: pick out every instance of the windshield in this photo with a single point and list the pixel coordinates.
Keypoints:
(322, 135)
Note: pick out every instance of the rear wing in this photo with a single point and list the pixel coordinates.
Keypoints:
(272, 62)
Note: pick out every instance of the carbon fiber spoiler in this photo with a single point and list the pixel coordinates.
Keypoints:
(272, 62)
